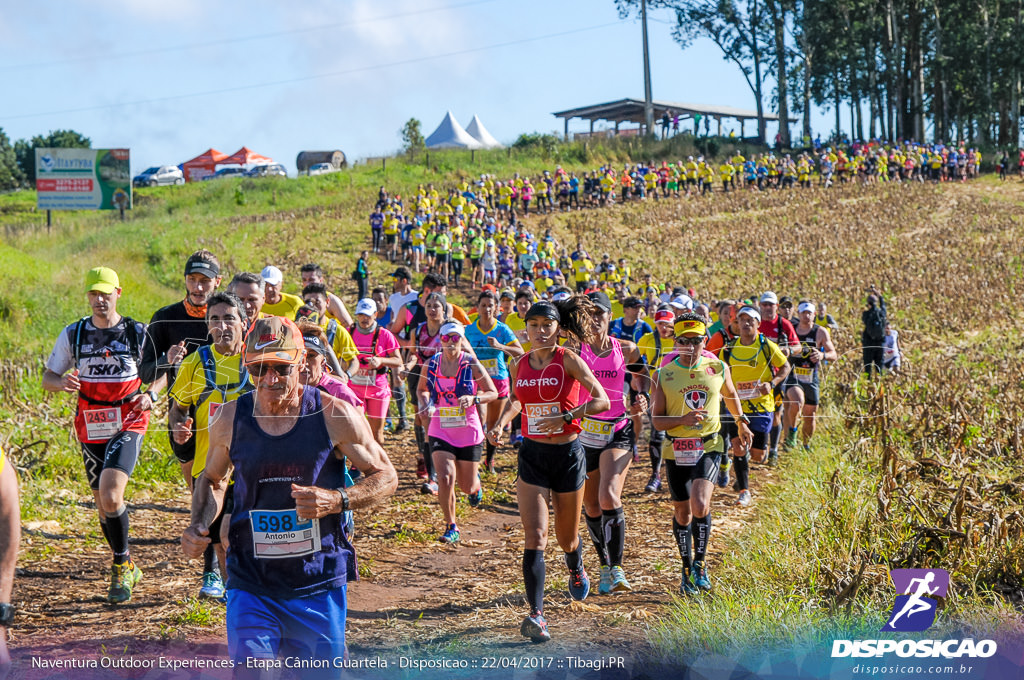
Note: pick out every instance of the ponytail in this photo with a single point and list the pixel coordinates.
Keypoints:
(576, 321)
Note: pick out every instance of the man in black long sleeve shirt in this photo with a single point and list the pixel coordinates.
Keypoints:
(873, 337)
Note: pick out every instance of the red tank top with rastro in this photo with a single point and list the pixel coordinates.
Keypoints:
(546, 391)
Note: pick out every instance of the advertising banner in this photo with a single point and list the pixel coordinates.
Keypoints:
(83, 179)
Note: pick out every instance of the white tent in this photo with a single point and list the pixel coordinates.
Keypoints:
(478, 132)
(450, 135)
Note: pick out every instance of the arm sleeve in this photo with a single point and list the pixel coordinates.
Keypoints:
(153, 346)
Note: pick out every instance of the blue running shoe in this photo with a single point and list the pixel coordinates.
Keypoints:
(213, 586)
(579, 583)
(476, 497)
(451, 535)
(619, 582)
(700, 576)
(605, 586)
(535, 627)
(723, 474)
(686, 586)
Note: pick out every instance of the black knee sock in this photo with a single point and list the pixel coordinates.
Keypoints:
(420, 438)
(117, 528)
(701, 528)
(684, 541)
(533, 577)
(517, 424)
(428, 461)
(741, 465)
(574, 559)
(490, 454)
(596, 532)
(106, 530)
(209, 559)
(613, 524)
(776, 431)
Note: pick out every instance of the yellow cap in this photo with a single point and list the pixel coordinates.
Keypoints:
(102, 279)
(690, 326)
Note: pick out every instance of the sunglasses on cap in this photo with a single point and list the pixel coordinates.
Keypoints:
(451, 337)
(689, 339)
(260, 369)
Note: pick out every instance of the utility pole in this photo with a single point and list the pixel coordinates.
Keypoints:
(648, 102)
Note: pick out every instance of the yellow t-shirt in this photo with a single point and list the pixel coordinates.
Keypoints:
(343, 345)
(649, 347)
(191, 388)
(287, 306)
(749, 366)
(583, 267)
(689, 388)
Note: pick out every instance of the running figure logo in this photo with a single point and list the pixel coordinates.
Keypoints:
(914, 609)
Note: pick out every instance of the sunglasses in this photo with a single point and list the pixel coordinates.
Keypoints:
(688, 340)
(282, 370)
(451, 337)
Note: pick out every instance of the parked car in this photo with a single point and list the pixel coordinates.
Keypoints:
(322, 169)
(159, 175)
(267, 170)
(234, 171)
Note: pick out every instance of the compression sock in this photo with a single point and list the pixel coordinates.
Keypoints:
(613, 524)
(701, 528)
(209, 559)
(105, 529)
(533, 577)
(490, 454)
(684, 541)
(117, 526)
(428, 461)
(774, 437)
(594, 528)
(654, 452)
(741, 466)
(420, 438)
(574, 559)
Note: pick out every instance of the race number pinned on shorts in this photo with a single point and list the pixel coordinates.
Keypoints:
(534, 412)
(365, 377)
(596, 434)
(277, 534)
(804, 374)
(102, 423)
(687, 450)
(491, 366)
(451, 416)
(748, 390)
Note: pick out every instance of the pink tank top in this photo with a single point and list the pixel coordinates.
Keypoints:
(450, 422)
(610, 371)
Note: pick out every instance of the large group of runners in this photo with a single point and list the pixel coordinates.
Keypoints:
(279, 406)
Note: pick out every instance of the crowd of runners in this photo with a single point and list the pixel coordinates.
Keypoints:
(279, 404)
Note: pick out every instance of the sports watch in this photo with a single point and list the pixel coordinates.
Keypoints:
(6, 614)
(744, 419)
(567, 416)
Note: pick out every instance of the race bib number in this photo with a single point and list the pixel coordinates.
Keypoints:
(687, 450)
(491, 366)
(365, 377)
(277, 534)
(451, 416)
(214, 407)
(102, 423)
(536, 411)
(804, 374)
(748, 390)
(596, 433)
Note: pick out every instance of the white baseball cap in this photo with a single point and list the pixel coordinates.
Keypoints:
(453, 327)
(769, 296)
(751, 312)
(272, 275)
(682, 302)
(366, 306)
(805, 307)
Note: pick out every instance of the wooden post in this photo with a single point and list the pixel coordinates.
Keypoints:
(472, 155)
(49, 220)
(565, 135)
(384, 164)
(121, 209)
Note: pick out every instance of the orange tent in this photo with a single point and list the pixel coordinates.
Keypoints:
(203, 165)
(245, 156)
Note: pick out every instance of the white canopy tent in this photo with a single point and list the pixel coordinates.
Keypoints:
(478, 132)
(450, 135)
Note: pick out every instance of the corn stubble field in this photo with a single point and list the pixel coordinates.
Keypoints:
(920, 469)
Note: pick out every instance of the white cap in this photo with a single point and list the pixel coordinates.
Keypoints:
(366, 306)
(805, 307)
(682, 302)
(562, 295)
(272, 275)
(453, 327)
(769, 296)
(751, 312)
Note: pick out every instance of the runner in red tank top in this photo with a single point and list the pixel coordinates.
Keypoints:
(545, 385)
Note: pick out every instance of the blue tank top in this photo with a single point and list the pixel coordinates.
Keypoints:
(273, 553)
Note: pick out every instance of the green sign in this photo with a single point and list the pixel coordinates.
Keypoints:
(83, 179)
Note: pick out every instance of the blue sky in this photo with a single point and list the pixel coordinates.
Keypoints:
(171, 79)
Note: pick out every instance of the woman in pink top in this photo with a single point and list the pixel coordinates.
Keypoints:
(608, 441)
(378, 350)
(454, 383)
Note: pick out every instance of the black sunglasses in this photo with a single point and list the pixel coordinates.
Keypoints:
(689, 340)
(282, 370)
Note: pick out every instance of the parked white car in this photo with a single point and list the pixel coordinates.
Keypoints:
(159, 175)
(322, 169)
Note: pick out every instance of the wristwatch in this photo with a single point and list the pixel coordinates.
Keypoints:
(476, 400)
(744, 419)
(344, 498)
(567, 416)
(6, 614)
(153, 396)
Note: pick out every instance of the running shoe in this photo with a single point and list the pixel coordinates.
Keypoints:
(476, 497)
(744, 499)
(517, 439)
(213, 586)
(491, 467)
(429, 488)
(401, 427)
(421, 467)
(579, 583)
(123, 578)
(723, 474)
(773, 459)
(686, 586)
(653, 484)
(605, 586)
(790, 440)
(619, 582)
(807, 448)
(535, 627)
(451, 535)
(700, 576)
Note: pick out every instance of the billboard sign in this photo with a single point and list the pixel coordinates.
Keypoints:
(83, 179)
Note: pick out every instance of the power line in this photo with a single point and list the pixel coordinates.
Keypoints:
(240, 39)
(319, 76)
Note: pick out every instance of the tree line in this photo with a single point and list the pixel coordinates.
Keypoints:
(927, 70)
(18, 160)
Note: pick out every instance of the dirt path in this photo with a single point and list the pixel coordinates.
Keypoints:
(415, 595)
